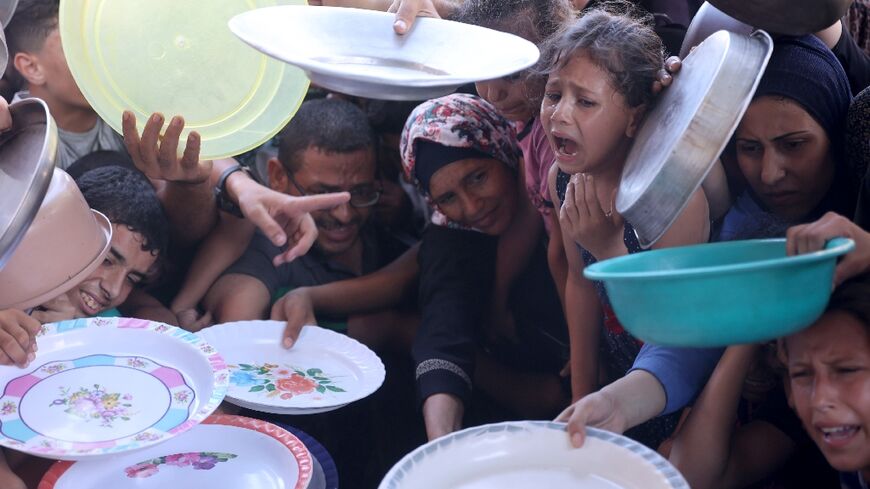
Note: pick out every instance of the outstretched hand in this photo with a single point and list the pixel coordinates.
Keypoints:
(811, 237)
(17, 337)
(157, 157)
(598, 410)
(296, 309)
(286, 218)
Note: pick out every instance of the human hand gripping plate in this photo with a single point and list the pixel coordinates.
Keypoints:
(356, 51)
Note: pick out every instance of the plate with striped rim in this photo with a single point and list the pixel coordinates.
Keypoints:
(223, 452)
(101, 386)
(532, 454)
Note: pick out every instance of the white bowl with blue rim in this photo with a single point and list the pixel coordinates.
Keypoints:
(532, 454)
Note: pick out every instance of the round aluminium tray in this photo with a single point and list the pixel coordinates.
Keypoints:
(683, 136)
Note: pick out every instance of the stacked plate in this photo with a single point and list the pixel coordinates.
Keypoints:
(224, 452)
(104, 386)
(323, 371)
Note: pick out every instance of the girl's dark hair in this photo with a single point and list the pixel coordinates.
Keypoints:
(853, 297)
(618, 37)
(533, 20)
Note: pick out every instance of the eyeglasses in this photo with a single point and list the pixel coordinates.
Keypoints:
(365, 195)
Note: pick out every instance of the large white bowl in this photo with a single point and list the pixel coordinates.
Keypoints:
(355, 51)
(532, 454)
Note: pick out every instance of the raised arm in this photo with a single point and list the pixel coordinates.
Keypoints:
(382, 289)
(181, 183)
(710, 451)
(457, 269)
(582, 308)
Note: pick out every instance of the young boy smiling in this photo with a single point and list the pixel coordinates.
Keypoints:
(829, 379)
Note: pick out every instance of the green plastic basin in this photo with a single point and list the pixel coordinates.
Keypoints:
(719, 294)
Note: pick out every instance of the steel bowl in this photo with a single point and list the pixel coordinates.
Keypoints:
(707, 21)
(792, 17)
(27, 153)
(355, 51)
(683, 136)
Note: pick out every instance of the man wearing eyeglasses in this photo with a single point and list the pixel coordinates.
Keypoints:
(328, 146)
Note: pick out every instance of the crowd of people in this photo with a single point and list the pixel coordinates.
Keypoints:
(450, 236)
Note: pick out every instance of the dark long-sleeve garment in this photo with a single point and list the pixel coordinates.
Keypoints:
(457, 273)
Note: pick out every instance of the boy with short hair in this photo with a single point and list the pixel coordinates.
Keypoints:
(36, 53)
(140, 234)
(140, 238)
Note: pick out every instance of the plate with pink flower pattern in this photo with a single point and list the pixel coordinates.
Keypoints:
(103, 386)
(224, 452)
(323, 371)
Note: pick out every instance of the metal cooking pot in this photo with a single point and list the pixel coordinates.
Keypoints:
(708, 20)
(7, 8)
(65, 243)
(27, 153)
(682, 137)
(793, 17)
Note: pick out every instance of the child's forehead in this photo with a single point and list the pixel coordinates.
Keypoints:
(835, 332)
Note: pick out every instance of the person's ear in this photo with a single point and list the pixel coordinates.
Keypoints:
(635, 119)
(278, 179)
(28, 65)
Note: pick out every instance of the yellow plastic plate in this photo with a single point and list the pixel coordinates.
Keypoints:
(180, 58)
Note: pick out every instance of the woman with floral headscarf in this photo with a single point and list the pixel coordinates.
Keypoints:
(491, 316)
(463, 156)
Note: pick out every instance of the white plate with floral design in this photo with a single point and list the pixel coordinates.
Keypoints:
(224, 452)
(532, 454)
(102, 386)
(323, 371)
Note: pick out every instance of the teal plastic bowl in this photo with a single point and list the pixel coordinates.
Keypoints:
(719, 294)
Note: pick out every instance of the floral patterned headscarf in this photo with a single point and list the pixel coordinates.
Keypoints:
(459, 121)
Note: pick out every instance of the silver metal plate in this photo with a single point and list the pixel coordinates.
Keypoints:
(27, 153)
(685, 133)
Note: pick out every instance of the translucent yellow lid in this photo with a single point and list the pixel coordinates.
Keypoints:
(180, 58)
